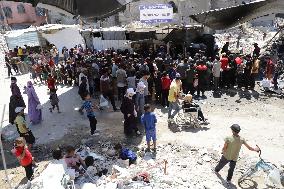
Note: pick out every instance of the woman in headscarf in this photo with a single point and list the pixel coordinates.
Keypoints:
(16, 100)
(129, 112)
(34, 109)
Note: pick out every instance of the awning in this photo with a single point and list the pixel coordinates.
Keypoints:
(232, 16)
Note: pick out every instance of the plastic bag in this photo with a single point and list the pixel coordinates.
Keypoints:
(266, 83)
(103, 101)
(274, 177)
(195, 83)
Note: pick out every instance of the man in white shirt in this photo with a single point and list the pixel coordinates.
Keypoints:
(216, 71)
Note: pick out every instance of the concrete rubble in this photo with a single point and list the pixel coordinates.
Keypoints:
(172, 166)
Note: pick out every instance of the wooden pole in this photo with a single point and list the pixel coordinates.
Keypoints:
(165, 167)
(2, 150)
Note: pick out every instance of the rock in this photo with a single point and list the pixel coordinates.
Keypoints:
(203, 151)
(10, 177)
(83, 141)
(168, 180)
(111, 153)
(104, 150)
(206, 158)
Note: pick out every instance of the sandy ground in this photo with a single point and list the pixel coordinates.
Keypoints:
(260, 116)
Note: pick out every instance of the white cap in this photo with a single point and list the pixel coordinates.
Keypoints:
(19, 109)
(130, 91)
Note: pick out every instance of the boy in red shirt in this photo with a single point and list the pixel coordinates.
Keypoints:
(24, 156)
(166, 83)
(50, 82)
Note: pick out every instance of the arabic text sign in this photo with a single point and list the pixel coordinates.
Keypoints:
(160, 13)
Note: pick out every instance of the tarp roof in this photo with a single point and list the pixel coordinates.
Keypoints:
(232, 16)
(48, 27)
(87, 8)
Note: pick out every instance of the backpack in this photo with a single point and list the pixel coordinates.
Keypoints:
(128, 154)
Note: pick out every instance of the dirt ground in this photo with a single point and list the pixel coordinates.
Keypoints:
(260, 116)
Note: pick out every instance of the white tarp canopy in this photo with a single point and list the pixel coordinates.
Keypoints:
(100, 44)
(69, 38)
(22, 38)
(29, 36)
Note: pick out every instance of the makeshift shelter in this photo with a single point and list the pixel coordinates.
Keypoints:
(232, 16)
(190, 38)
(104, 38)
(66, 37)
(22, 37)
(57, 34)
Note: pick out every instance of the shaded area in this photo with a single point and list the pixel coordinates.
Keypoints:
(87, 8)
(232, 16)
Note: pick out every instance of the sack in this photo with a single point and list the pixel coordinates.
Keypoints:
(39, 107)
(128, 154)
(195, 83)
(266, 83)
(103, 101)
(274, 177)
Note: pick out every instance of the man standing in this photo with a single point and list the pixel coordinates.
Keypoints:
(106, 89)
(173, 97)
(254, 70)
(144, 78)
(8, 65)
(247, 71)
(231, 151)
(201, 72)
(181, 69)
(224, 68)
(216, 72)
(121, 81)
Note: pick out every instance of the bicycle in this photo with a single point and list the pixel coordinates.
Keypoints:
(268, 168)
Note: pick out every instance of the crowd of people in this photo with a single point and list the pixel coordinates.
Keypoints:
(131, 82)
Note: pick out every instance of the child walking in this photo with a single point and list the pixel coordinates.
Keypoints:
(54, 100)
(24, 156)
(148, 120)
(88, 106)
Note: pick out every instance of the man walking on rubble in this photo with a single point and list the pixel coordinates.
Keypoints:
(230, 151)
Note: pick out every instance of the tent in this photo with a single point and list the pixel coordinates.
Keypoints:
(57, 34)
(67, 37)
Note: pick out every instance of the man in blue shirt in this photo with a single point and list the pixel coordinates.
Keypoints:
(88, 106)
(149, 120)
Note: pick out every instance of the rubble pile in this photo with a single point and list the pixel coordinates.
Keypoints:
(172, 166)
(242, 38)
